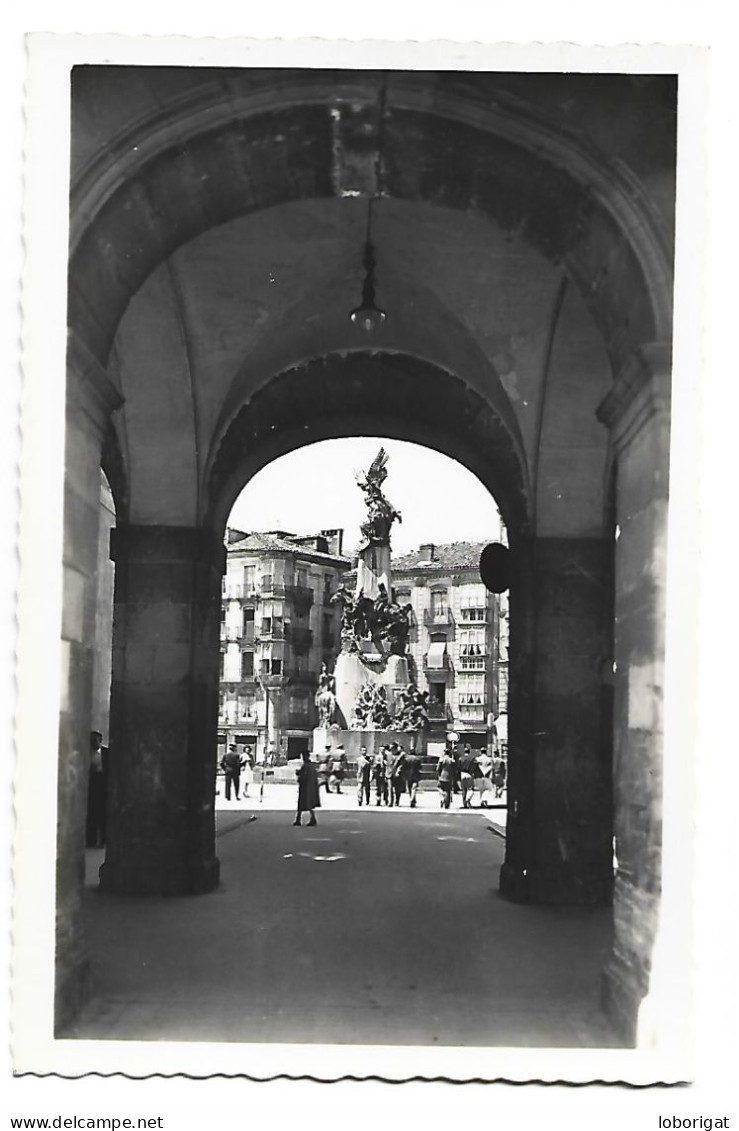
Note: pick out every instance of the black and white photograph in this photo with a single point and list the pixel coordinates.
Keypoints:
(350, 637)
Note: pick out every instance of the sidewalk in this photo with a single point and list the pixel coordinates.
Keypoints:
(282, 797)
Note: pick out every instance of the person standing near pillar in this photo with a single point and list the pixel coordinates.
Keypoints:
(97, 789)
(309, 797)
(232, 764)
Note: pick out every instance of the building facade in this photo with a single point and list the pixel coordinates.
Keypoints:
(458, 642)
(277, 628)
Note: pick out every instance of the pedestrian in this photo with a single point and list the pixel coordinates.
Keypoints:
(232, 764)
(309, 798)
(395, 774)
(445, 772)
(337, 768)
(364, 772)
(97, 790)
(412, 775)
(248, 765)
(379, 775)
(468, 770)
(323, 769)
(455, 752)
(499, 775)
(485, 781)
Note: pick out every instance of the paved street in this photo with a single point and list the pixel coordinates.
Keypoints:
(375, 927)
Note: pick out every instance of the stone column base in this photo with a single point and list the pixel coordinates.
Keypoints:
(141, 877)
(557, 885)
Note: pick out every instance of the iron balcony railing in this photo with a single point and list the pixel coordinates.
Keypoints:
(271, 588)
(442, 663)
(438, 618)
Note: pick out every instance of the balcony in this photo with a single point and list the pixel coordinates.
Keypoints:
(437, 712)
(271, 680)
(230, 632)
(438, 618)
(270, 588)
(236, 592)
(301, 640)
(301, 597)
(267, 635)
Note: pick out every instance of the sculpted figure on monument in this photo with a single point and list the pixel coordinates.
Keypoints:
(412, 709)
(380, 512)
(325, 698)
(371, 710)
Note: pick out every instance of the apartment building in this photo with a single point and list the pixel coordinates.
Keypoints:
(277, 628)
(458, 642)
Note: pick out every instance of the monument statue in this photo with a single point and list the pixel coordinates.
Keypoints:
(380, 512)
(325, 698)
(371, 689)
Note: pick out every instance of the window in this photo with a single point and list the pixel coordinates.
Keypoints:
(222, 669)
(266, 626)
(248, 622)
(275, 667)
(473, 604)
(298, 704)
(438, 602)
(247, 665)
(328, 633)
(247, 706)
(249, 578)
(472, 649)
(301, 577)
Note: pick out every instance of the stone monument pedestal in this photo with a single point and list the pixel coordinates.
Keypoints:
(372, 740)
(353, 670)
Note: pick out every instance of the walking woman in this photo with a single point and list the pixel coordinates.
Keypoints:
(308, 795)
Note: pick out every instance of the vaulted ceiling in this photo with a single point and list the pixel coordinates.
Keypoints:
(522, 228)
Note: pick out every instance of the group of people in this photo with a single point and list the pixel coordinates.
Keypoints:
(232, 763)
(467, 773)
(389, 773)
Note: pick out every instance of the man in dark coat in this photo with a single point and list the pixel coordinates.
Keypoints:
(308, 796)
(412, 776)
(232, 764)
(364, 770)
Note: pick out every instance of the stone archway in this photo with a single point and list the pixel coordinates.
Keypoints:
(212, 149)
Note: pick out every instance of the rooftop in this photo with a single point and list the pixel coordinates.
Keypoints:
(448, 556)
(282, 542)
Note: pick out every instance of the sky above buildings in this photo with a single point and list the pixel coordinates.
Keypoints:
(314, 488)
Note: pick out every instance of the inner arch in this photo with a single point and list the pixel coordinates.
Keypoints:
(370, 394)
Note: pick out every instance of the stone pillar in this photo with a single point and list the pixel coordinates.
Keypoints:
(637, 413)
(90, 400)
(558, 847)
(164, 711)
